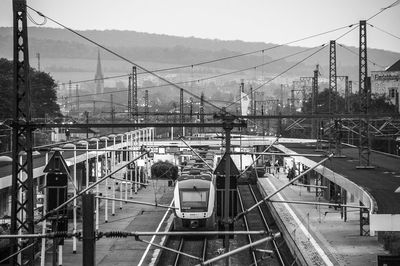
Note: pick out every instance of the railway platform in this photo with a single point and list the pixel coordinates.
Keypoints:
(319, 234)
(132, 217)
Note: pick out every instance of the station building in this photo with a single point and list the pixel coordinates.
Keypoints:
(387, 82)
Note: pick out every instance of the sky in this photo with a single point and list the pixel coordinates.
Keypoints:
(277, 21)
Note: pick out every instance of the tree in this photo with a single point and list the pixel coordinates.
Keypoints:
(43, 92)
(323, 103)
(379, 103)
(164, 170)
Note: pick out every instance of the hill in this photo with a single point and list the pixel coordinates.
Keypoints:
(172, 50)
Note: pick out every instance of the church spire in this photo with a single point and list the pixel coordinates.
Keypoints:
(99, 78)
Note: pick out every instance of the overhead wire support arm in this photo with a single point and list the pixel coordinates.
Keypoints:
(129, 125)
(281, 188)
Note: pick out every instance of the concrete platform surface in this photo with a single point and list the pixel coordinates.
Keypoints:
(381, 182)
(319, 232)
(132, 217)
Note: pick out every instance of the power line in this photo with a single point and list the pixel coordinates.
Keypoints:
(206, 78)
(280, 74)
(218, 59)
(384, 9)
(347, 32)
(323, 46)
(382, 30)
(124, 58)
(227, 57)
(351, 51)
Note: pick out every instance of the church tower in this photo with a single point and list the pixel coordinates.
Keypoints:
(99, 78)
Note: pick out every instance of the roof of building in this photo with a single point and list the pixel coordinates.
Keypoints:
(395, 66)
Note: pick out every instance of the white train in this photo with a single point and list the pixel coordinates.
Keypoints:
(194, 198)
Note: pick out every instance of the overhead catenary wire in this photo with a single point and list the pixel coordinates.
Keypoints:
(384, 31)
(384, 9)
(280, 74)
(220, 58)
(323, 46)
(355, 53)
(127, 60)
(239, 55)
(205, 78)
(234, 56)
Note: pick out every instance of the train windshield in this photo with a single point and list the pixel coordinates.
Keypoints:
(194, 200)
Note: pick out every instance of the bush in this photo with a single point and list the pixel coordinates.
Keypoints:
(164, 170)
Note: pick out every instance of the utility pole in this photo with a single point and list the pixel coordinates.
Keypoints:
(347, 93)
(332, 106)
(135, 94)
(22, 219)
(112, 111)
(252, 101)
(314, 103)
(87, 122)
(181, 118)
(365, 97)
(88, 232)
(201, 112)
(191, 115)
(146, 105)
(332, 78)
(129, 98)
(227, 219)
(292, 102)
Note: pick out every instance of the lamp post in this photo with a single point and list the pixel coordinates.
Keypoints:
(132, 155)
(84, 142)
(120, 183)
(136, 140)
(127, 157)
(112, 168)
(70, 145)
(97, 178)
(105, 139)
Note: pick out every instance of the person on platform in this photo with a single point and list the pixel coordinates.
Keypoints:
(276, 165)
(268, 166)
(291, 174)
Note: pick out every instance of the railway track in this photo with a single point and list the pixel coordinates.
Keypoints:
(274, 252)
(192, 250)
(189, 250)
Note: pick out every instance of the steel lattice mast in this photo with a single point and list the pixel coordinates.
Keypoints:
(365, 95)
(332, 78)
(135, 95)
(22, 168)
(130, 97)
(146, 105)
(314, 102)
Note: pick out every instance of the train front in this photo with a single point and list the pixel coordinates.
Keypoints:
(194, 201)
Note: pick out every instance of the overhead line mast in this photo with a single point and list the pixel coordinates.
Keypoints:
(22, 166)
(365, 97)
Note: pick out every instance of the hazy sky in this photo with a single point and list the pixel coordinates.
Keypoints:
(277, 21)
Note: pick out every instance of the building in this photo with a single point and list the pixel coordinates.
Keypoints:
(387, 82)
(99, 78)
